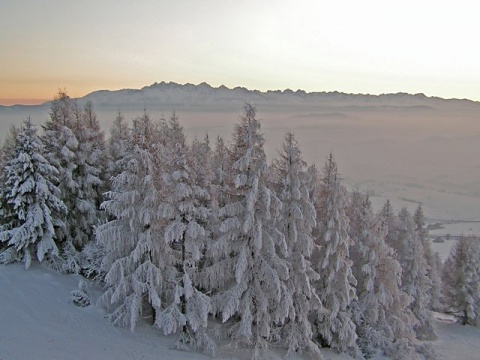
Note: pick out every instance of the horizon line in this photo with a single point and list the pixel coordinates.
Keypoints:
(20, 101)
(40, 101)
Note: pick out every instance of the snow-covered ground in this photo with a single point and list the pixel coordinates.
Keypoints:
(456, 342)
(39, 321)
(445, 236)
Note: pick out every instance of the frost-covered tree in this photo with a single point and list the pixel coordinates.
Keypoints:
(201, 154)
(33, 209)
(220, 165)
(7, 152)
(415, 282)
(185, 215)
(89, 176)
(200, 159)
(247, 273)
(368, 243)
(336, 287)
(203, 173)
(136, 259)
(311, 180)
(296, 222)
(61, 146)
(461, 279)
(433, 272)
(381, 314)
(390, 221)
(155, 241)
(75, 146)
(144, 131)
(117, 145)
(437, 284)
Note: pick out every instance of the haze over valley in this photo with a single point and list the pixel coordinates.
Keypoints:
(407, 148)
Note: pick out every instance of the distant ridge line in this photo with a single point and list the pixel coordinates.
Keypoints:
(171, 84)
(204, 94)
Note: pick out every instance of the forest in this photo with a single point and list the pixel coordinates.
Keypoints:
(209, 239)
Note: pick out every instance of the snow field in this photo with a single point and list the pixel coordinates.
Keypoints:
(39, 321)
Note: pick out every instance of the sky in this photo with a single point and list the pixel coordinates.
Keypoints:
(414, 46)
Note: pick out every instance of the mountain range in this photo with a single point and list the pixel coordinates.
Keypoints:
(189, 96)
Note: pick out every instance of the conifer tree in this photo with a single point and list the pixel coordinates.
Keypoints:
(437, 284)
(390, 221)
(75, 145)
(311, 180)
(433, 272)
(117, 145)
(220, 165)
(185, 215)
(61, 145)
(7, 152)
(381, 314)
(336, 287)
(202, 173)
(89, 176)
(411, 255)
(298, 217)
(33, 210)
(136, 259)
(462, 281)
(248, 274)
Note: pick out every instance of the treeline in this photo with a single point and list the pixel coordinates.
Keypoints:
(212, 241)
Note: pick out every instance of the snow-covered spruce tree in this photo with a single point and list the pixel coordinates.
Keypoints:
(136, 257)
(381, 314)
(33, 209)
(200, 155)
(203, 172)
(61, 146)
(248, 275)
(89, 173)
(93, 181)
(461, 279)
(437, 284)
(185, 214)
(220, 165)
(211, 275)
(296, 222)
(390, 220)
(96, 151)
(433, 272)
(7, 152)
(411, 255)
(117, 146)
(312, 177)
(367, 236)
(333, 326)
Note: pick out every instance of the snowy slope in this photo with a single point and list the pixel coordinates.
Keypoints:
(456, 342)
(39, 321)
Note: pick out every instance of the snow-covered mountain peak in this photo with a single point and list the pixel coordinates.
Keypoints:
(190, 96)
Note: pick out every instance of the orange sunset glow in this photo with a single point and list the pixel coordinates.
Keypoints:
(359, 47)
